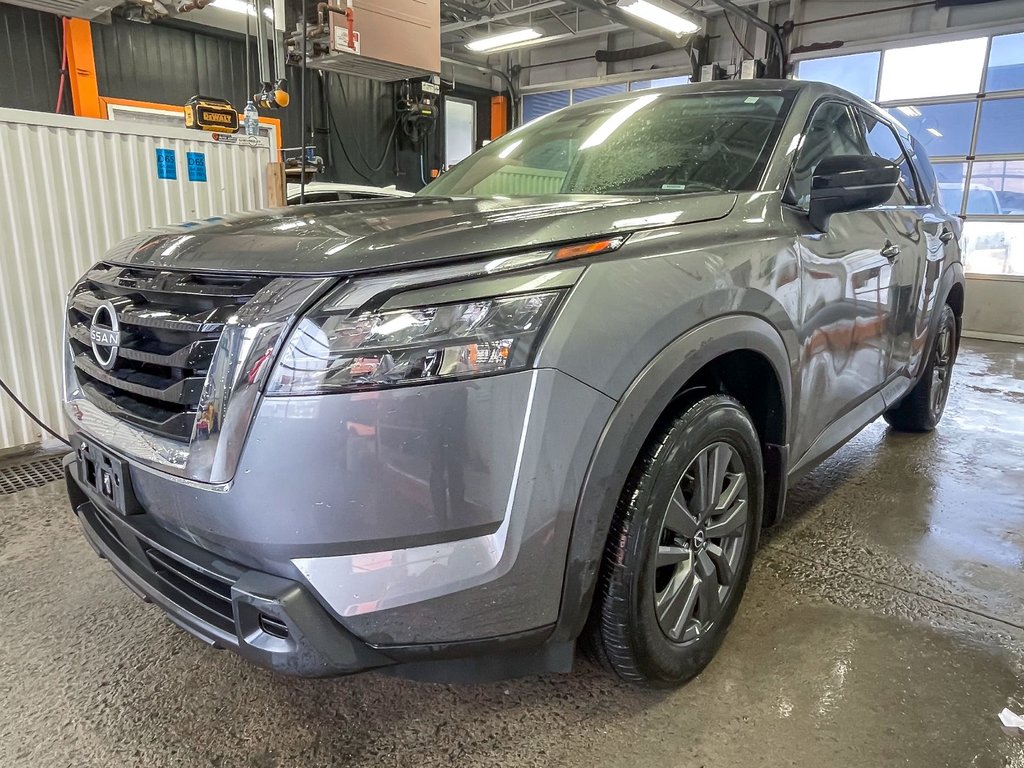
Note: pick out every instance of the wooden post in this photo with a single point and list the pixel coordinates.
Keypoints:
(276, 189)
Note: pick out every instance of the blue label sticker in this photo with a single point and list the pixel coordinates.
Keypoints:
(166, 165)
(196, 166)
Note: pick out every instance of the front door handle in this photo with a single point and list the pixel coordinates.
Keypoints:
(890, 250)
(946, 235)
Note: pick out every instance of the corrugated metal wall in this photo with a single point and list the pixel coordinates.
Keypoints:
(71, 188)
(170, 64)
(29, 59)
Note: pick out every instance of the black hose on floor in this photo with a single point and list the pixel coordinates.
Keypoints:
(29, 413)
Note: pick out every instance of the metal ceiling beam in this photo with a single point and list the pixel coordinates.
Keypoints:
(526, 9)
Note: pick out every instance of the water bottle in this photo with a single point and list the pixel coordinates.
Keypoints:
(251, 119)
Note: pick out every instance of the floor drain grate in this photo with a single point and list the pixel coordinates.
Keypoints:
(32, 474)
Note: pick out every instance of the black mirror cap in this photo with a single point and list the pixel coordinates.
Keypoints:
(850, 183)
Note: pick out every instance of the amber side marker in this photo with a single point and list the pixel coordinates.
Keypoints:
(592, 248)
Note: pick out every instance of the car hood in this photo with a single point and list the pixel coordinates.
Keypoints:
(363, 236)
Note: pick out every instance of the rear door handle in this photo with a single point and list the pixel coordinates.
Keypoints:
(890, 250)
(946, 235)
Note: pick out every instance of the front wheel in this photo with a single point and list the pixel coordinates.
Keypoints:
(681, 546)
(921, 409)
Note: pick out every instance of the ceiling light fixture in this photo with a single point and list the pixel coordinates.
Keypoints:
(658, 16)
(910, 111)
(935, 133)
(504, 40)
(240, 6)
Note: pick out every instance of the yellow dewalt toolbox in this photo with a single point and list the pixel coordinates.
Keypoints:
(207, 114)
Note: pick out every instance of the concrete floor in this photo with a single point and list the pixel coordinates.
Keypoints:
(883, 626)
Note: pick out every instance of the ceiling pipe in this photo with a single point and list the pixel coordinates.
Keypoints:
(757, 21)
(621, 17)
(512, 92)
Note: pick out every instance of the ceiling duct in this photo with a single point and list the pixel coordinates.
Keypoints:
(391, 39)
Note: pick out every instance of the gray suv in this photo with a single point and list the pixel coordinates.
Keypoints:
(552, 398)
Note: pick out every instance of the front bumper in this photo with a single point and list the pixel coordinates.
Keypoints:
(271, 621)
(418, 516)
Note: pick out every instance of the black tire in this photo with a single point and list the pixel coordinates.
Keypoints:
(921, 408)
(625, 632)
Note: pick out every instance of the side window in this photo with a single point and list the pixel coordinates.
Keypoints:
(831, 131)
(883, 143)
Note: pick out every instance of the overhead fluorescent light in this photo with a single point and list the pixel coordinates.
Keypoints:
(935, 133)
(910, 111)
(504, 40)
(658, 16)
(241, 6)
(612, 124)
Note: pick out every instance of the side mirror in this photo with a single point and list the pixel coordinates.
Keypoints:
(850, 183)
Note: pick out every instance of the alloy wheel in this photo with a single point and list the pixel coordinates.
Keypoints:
(701, 543)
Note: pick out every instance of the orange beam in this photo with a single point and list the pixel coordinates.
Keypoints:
(499, 116)
(85, 92)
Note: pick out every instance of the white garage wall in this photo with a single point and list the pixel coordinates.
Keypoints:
(70, 188)
(994, 308)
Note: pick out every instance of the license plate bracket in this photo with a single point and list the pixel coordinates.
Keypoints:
(106, 476)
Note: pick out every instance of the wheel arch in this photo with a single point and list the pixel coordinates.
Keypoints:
(711, 356)
(956, 294)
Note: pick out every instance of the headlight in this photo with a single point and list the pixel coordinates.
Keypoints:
(337, 351)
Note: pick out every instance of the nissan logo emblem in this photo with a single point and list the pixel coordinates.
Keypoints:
(105, 335)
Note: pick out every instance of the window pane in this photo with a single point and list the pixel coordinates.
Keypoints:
(1000, 185)
(1006, 63)
(938, 69)
(857, 73)
(586, 94)
(459, 130)
(994, 248)
(943, 129)
(883, 143)
(951, 184)
(1000, 132)
(665, 82)
(538, 104)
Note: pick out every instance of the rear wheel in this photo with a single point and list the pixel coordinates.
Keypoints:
(921, 409)
(681, 546)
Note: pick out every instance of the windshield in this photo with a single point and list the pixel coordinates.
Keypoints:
(645, 144)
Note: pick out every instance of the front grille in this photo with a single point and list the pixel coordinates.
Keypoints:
(170, 325)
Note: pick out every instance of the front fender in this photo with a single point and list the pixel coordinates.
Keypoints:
(952, 276)
(630, 424)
